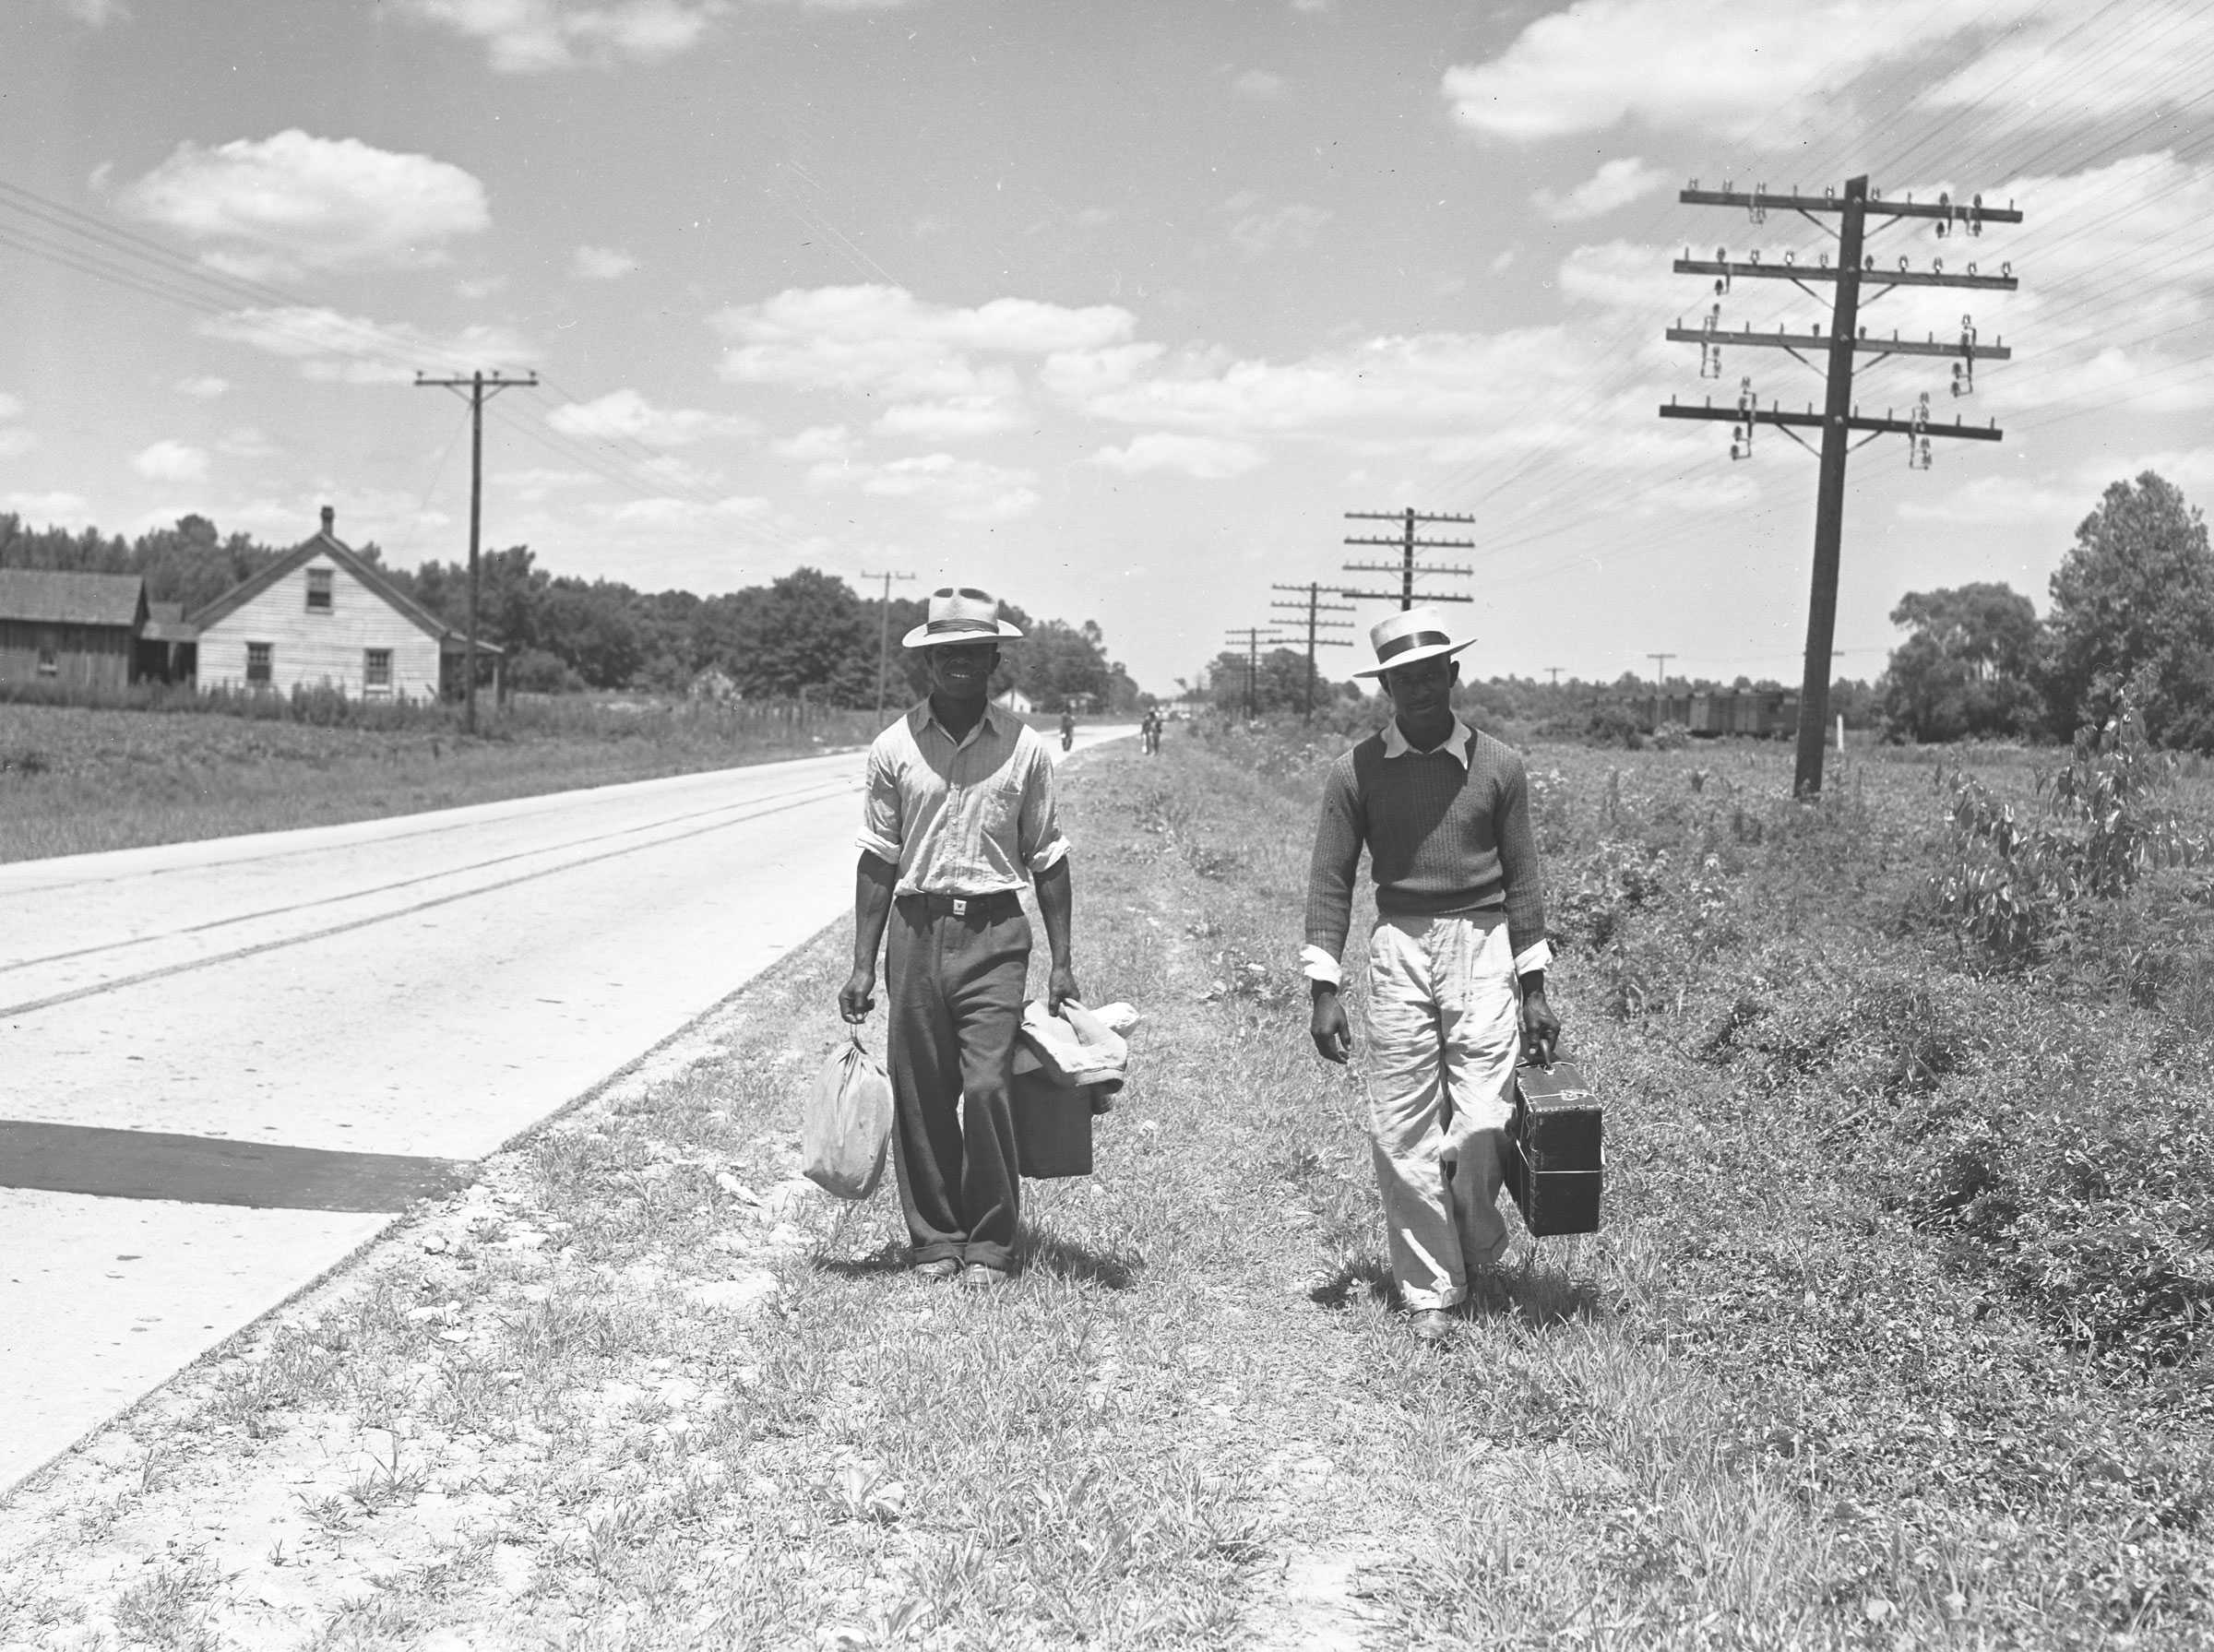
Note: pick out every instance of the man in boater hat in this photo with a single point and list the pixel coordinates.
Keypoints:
(959, 816)
(1457, 961)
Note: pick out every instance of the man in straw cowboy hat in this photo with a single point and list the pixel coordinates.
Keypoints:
(1456, 960)
(958, 815)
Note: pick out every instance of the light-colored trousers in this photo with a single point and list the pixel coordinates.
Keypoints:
(1443, 1032)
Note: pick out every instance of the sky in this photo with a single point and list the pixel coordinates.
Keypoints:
(1114, 310)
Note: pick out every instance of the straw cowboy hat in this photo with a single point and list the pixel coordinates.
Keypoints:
(960, 616)
(1417, 633)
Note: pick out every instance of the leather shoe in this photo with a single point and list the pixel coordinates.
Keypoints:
(1433, 1326)
(977, 1277)
(938, 1270)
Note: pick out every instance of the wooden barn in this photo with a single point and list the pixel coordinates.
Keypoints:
(77, 632)
(320, 615)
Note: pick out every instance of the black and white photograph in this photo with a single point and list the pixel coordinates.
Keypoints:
(1281, 825)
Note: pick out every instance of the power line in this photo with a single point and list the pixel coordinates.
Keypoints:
(1406, 544)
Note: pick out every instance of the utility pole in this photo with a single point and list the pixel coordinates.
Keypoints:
(1555, 671)
(1659, 672)
(1254, 635)
(1314, 605)
(1840, 416)
(1406, 544)
(478, 387)
(884, 630)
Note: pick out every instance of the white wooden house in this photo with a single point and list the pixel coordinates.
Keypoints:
(321, 614)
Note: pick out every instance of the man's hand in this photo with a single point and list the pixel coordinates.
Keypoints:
(1540, 1027)
(1060, 987)
(1332, 1033)
(858, 997)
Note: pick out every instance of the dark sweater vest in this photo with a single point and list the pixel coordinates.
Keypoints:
(1440, 839)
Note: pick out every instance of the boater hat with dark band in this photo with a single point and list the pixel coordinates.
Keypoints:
(1417, 633)
(960, 616)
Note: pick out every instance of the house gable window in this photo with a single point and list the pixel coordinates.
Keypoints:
(318, 590)
(260, 663)
(376, 670)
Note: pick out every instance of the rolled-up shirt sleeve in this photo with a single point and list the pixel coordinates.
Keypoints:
(1037, 837)
(880, 833)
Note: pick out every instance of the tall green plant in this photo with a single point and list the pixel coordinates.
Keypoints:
(2015, 887)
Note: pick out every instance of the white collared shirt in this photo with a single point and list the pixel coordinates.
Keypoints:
(1460, 740)
(972, 817)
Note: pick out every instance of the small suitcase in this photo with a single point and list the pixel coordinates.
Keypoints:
(1053, 1126)
(1555, 1160)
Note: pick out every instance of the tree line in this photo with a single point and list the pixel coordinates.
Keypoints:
(2133, 599)
(806, 635)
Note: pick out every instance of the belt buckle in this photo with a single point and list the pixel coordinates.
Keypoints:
(960, 906)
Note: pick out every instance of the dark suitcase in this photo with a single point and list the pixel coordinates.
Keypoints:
(1555, 1159)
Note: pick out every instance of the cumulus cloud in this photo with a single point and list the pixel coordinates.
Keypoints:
(885, 340)
(247, 442)
(349, 349)
(817, 443)
(952, 419)
(1715, 65)
(525, 37)
(2045, 67)
(677, 516)
(64, 509)
(966, 489)
(97, 14)
(628, 416)
(533, 482)
(1617, 183)
(171, 461)
(1257, 232)
(205, 386)
(600, 264)
(1210, 459)
(1260, 83)
(294, 203)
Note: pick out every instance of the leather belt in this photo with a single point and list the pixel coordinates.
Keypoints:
(1002, 903)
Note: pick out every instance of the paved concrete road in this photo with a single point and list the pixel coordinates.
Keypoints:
(224, 1064)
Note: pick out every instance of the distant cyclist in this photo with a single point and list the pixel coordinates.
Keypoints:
(1069, 730)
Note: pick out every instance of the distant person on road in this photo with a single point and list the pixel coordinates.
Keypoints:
(1069, 730)
(1457, 961)
(958, 815)
(1149, 730)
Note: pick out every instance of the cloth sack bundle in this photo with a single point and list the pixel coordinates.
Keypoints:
(847, 1124)
(1066, 1068)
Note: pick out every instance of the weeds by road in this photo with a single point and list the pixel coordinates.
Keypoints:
(643, 1387)
(73, 780)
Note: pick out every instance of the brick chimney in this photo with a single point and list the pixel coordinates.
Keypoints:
(330, 517)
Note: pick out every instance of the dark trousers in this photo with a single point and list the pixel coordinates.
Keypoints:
(955, 986)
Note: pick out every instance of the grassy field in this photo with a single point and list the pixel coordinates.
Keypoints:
(1897, 1335)
(74, 780)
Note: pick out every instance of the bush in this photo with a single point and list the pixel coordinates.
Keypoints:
(2016, 889)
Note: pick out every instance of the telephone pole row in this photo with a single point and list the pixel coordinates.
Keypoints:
(884, 630)
(478, 387)
(1406, 544)
(1254, 635)
(1839, 419)
(1316, 606)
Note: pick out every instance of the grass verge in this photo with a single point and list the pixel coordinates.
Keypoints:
(74, 779)
(643, 1387)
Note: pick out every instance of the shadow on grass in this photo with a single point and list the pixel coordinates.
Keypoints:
(1065, 1259)
(1541, 1297)
(1034, 1254)
(1356, 1277)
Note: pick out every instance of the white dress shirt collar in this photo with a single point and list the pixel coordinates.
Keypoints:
(1460, 742)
